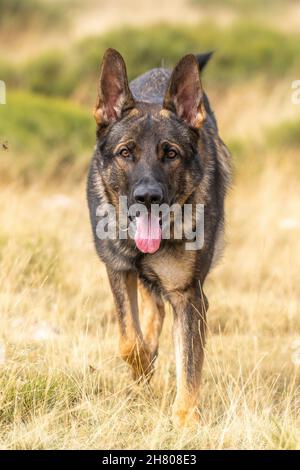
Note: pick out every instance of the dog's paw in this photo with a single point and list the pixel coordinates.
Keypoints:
(185, 417)
(140, 359)
(142, 366)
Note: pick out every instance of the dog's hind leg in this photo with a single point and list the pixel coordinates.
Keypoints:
(132, 345)
(152, 314)
(189, 337)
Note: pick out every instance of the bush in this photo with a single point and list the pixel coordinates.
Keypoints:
(25, 13)
(285, 135)
(244, 6)
(46, 137)
(242, 52)
(49, 75)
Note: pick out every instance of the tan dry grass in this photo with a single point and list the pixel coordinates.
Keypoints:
(247, 109)
(62, 382)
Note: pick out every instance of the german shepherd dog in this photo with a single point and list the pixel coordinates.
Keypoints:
(158, 143)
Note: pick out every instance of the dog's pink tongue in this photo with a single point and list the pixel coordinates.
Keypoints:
(148, 233)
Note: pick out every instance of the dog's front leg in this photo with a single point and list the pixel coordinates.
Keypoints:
(189, 338)
(152, 314)
(132, 346)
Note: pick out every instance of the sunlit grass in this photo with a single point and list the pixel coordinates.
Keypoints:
(63, 383)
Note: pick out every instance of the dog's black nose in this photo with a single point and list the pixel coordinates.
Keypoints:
(148, 195)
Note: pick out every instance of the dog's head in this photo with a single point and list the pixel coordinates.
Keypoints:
(150, 152)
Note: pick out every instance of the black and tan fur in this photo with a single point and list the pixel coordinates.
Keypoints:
(157, 112)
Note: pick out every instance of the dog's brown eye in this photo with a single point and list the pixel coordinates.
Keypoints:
(124, 152)
(171, 153)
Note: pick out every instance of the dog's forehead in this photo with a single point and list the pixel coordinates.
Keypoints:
(153, 125)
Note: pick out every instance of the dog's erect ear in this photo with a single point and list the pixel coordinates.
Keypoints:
(114, 96)
(184, 95)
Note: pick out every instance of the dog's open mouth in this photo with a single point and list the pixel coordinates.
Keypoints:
(148, 233)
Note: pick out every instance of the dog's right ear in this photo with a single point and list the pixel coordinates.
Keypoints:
(114, 96)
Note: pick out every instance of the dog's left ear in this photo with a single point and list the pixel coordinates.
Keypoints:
(114, 96)
(184, 96)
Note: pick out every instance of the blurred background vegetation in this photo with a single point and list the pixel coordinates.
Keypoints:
(50, 53)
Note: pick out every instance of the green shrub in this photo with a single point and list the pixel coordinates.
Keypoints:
(285, 135)
(244, 51)
(26, 13)
(49, 75)
(45, 136)
(246, 6)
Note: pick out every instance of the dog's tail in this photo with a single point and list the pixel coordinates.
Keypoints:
(202, 59)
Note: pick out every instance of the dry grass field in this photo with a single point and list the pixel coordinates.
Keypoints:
(63, 385)
(62, 382)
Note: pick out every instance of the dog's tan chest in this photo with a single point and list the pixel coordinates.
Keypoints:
(174, 270)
